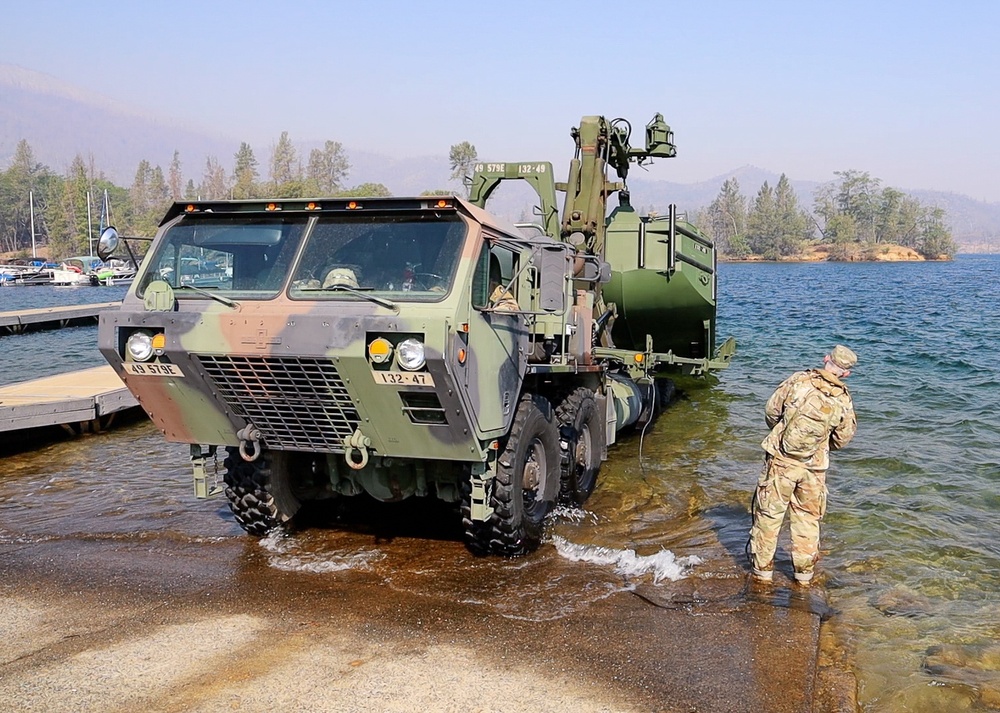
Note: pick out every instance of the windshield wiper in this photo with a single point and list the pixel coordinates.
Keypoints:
(359, 291)
(205, 293)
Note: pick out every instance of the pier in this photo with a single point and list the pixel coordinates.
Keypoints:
(52, 317)
(80, 401)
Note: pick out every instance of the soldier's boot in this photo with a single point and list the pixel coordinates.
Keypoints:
(764, 573)
(804, 578)
(805, 568)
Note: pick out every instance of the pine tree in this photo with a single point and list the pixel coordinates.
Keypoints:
(792, 223)
(461, 158)
(935, 239)
(283, 162)
(74, 207)
(23, 180)
(176, 179)
(762, 224)
(726, 220)
(214, 186)
(245, 173)
(327, 169)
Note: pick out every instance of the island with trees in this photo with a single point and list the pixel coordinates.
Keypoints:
(853, 218)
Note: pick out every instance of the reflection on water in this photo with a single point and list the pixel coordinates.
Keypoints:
(129, 484)
(58, 351)
(912, 560)
(126, 483)
(45, 353)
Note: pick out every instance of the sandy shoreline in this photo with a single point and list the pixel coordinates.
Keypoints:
(160, 625)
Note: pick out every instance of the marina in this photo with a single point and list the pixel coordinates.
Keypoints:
(71, 272)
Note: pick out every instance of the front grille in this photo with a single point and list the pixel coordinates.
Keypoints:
(296, 403)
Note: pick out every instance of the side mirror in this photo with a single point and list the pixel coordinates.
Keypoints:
(108, 243)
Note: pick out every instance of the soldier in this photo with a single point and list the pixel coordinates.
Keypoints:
(808, 414)
(500, 297)
(340, 277)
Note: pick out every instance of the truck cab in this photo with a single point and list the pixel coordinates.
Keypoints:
(340, 347)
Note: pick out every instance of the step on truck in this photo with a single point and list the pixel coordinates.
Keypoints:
(398, 347)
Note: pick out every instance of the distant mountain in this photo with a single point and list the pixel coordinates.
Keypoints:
(402, 176)
(61, 121)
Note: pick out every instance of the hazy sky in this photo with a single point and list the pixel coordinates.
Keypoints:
(906, 90)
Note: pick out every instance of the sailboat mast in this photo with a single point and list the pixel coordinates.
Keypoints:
(90, 227)
(31, 210)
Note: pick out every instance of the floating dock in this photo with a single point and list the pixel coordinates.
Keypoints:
(80, 401)
(52, 317)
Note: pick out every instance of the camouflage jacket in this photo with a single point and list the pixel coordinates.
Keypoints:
(503, 301)
(831, 414)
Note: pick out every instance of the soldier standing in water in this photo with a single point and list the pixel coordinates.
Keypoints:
(809, 414)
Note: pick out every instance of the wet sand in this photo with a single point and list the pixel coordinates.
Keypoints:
(164, 623)
(122, 592)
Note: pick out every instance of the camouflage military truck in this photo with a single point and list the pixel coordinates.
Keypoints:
(415, 346)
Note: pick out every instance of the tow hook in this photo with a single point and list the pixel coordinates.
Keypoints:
(250, 435)
(356, 442)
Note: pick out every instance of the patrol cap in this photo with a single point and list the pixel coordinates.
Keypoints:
(843, 357)
(341, 276)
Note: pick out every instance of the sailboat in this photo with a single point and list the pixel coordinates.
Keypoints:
(41, 272)
(114, 272)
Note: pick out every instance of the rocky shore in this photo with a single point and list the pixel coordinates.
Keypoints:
(827, 252)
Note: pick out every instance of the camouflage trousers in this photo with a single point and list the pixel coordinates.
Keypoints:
(782, 485)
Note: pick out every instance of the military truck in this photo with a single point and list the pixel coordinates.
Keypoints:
(399, 347)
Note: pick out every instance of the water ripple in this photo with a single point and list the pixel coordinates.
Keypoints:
(913, 500)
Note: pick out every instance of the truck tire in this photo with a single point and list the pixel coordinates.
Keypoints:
(527, 468)
(258, 491)
(581, 443)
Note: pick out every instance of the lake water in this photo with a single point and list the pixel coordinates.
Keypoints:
(911, 545)
(44, 353)
(911, 540)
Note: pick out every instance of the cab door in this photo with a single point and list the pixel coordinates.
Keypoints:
(498, 341)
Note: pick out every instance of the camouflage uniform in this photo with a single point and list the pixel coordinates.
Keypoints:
(798, 479)
(503, 301)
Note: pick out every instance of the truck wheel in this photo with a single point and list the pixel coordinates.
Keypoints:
(526, 470)
(258, 491)
(581, 441)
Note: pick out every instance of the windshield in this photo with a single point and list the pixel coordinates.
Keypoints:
(243, 256)
(403, 257)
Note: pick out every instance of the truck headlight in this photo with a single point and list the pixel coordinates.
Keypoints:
(410, 354)
(140, 346)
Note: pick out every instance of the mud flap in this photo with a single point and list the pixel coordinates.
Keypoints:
(480, 478)
(202, 488)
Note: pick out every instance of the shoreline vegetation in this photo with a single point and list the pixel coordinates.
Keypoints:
(853, 218)
(827, 252)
